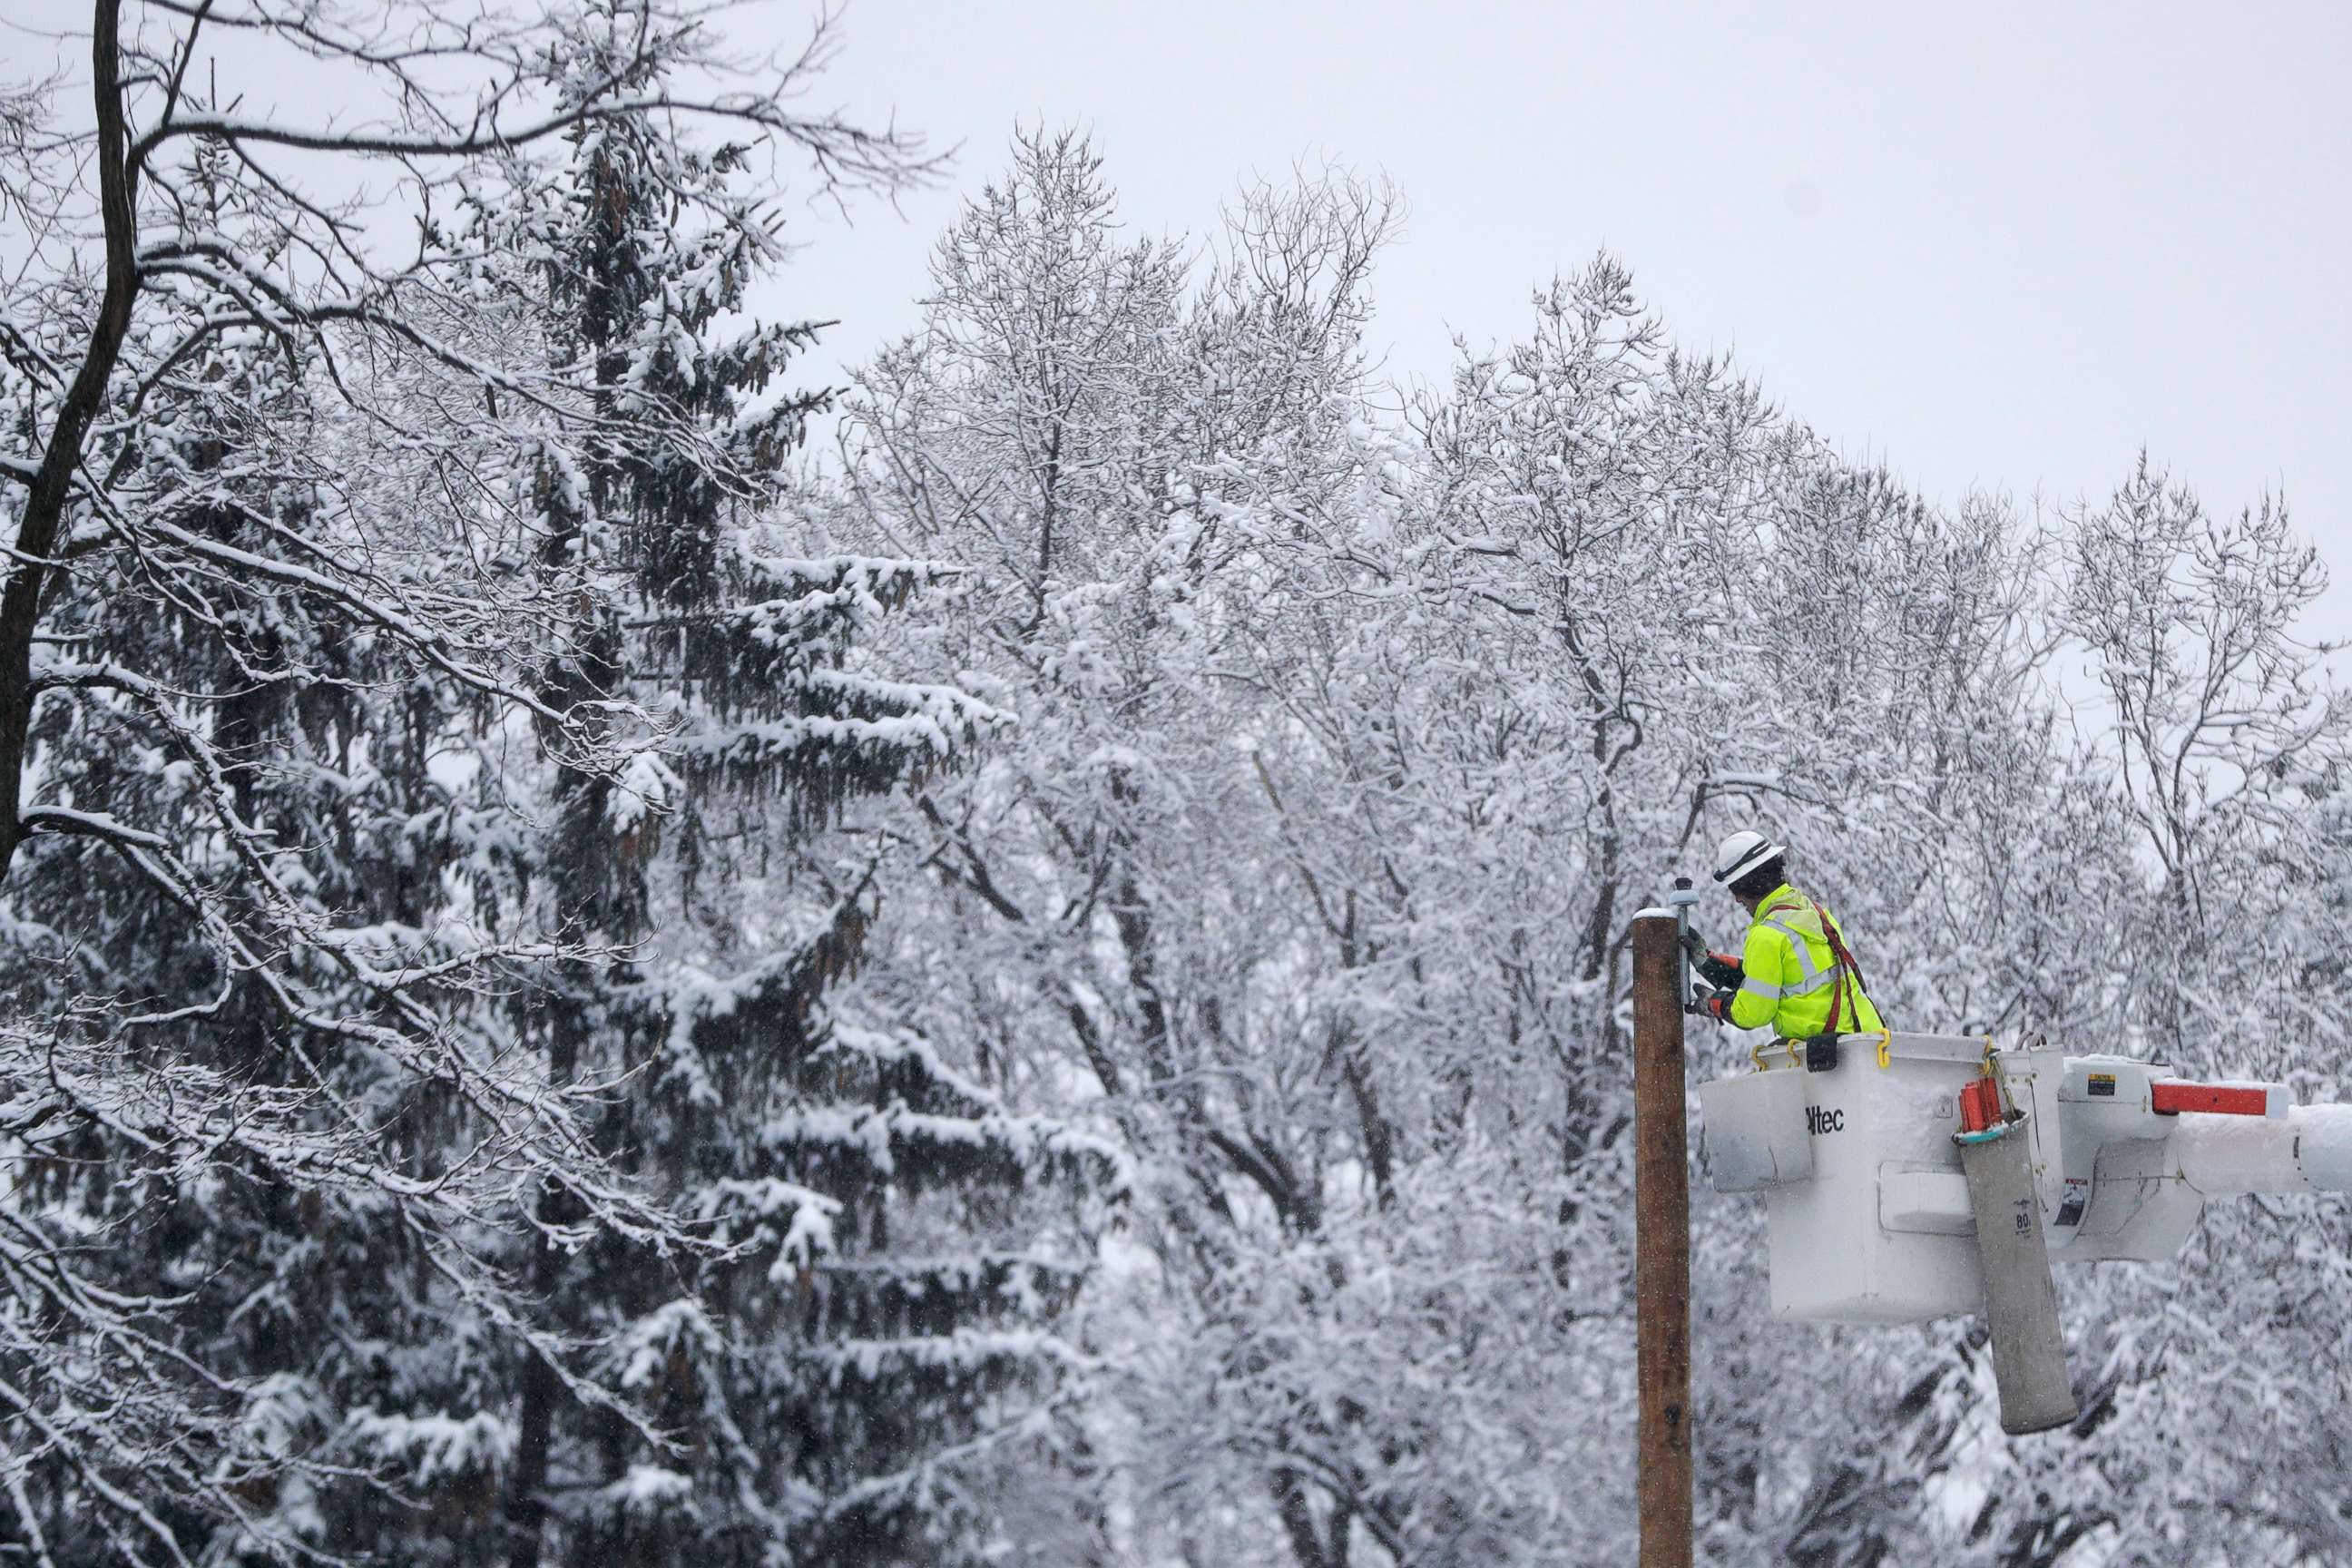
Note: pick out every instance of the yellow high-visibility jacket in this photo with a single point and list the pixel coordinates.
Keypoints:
(1788, 975)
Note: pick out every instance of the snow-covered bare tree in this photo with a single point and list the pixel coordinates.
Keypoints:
(1236, 667)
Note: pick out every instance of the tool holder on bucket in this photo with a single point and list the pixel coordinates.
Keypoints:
(2028, 1346)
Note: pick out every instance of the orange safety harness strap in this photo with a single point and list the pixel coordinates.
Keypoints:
(1851, 974)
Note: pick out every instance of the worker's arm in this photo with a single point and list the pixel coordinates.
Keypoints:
(1762, 967)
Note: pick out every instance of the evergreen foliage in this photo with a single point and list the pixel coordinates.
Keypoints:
(436, 1129)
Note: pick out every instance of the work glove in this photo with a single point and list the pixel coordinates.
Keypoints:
(1709, 1004)
(1722, 970)
(1716, 968)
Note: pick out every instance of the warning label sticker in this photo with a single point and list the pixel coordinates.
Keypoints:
(2103, 1085)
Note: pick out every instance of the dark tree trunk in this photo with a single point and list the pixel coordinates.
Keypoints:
(52, 483)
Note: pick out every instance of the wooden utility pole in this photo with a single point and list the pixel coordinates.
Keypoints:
(1661, 1244)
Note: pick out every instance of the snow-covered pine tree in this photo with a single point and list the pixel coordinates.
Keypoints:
(273, 695)
(255, 1117)
(834, 1382)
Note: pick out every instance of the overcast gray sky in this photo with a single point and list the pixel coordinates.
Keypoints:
(1994, 244)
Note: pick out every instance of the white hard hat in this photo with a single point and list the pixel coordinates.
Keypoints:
(1742, 853)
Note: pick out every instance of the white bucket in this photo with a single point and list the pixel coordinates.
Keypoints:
(1879, 1229)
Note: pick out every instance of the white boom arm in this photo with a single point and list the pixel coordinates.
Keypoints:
(2308, 1149)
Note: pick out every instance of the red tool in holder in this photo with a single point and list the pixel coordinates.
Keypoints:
(1980, 1105)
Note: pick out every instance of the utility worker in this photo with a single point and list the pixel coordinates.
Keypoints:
(1796, 973)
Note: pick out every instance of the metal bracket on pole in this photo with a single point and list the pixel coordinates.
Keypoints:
(1682, 900)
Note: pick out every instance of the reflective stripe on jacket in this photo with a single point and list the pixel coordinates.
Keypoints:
(1789, 974)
